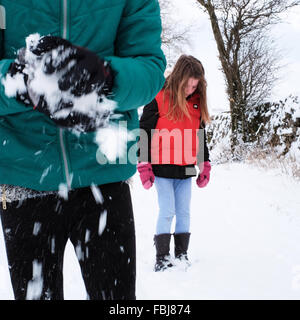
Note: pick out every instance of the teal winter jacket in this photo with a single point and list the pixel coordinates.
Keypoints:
(34, 152)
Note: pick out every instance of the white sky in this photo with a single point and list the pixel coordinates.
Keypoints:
(203, 47)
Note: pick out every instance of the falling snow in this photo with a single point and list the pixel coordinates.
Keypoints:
(35, 286)
(102, 222)
(97, 194)
(36, 228)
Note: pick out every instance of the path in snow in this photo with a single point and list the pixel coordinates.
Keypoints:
(245, 241)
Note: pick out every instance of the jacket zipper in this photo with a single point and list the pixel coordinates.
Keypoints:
(61, 131)
(3, 198)
(65, 19)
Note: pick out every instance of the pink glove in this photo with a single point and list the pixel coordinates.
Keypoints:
(146, 174)
(203, 177)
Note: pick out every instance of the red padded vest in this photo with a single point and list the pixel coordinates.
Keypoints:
(176, 142)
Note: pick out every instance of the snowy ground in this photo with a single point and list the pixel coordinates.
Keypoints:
(245, 241)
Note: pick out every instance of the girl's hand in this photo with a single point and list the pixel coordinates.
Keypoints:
(203, 177)
(146, 174)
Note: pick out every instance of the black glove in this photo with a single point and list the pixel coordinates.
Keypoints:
(88, 72)
(74, 120)
(80, 72)
(14, 69)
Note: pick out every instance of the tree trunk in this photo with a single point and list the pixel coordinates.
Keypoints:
(234, 85)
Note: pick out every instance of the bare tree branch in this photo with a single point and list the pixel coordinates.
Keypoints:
(174, 36)
(248, 57)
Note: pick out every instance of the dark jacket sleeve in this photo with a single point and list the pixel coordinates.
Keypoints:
(148, 122)
(206, 152)
(203, 147)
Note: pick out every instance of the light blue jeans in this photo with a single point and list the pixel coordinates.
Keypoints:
(174, 198)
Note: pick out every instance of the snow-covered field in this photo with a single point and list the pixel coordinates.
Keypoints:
(245, 241)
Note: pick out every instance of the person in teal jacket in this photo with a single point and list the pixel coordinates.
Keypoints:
(53, 186)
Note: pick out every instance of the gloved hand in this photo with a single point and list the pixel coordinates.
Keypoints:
(86, 71)
(204, 175)
(77, 74)
(89, 73)
(146, 174)
(15, 71)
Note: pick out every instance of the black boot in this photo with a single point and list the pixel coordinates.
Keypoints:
(162, 244)
(181, 241)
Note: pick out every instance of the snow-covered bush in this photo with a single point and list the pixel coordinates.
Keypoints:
(218, 137)
(273, 134)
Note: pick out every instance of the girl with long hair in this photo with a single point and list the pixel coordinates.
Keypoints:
(176, 141)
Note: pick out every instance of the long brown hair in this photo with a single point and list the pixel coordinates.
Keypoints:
(185, 68)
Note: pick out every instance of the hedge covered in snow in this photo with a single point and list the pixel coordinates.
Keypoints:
(272, 128)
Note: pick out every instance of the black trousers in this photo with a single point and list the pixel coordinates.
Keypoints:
(100, 225)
